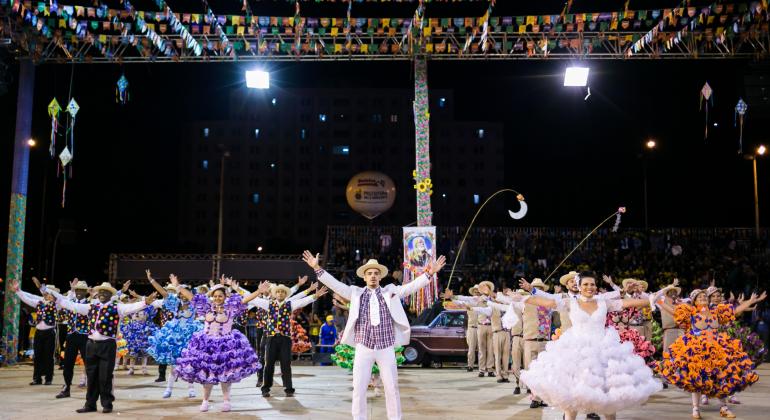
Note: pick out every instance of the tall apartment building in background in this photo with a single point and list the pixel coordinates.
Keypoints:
(293, 151)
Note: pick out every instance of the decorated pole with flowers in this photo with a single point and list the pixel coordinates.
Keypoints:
(423, 184)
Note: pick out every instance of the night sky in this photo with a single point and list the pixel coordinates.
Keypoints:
(575, 161)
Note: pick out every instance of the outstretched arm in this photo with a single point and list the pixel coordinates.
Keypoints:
(155, 284)
(263, 287)
(749, 303)
(181, 291)
(424, 279)
(327, 279)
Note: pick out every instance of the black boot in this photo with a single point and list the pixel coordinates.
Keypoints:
(516, 391)
(593, 416)
(86, 409)
(65, 392)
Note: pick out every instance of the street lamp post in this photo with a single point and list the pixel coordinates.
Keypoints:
(761, 150)
(225, 155)
(649, 146)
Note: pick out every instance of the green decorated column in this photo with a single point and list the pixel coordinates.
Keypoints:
(18, 213)
(422, 142)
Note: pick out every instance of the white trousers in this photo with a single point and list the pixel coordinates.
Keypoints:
(362, 374)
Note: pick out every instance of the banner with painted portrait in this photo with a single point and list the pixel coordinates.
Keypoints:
(419, 251)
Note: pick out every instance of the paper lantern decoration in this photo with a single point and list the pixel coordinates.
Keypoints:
(370, 193)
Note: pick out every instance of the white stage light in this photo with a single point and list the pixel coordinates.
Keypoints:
(576, 76)
(257, 79)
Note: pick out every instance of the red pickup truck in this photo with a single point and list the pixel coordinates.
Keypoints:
(443, 339)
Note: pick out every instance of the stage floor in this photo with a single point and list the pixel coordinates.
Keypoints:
(324, 392)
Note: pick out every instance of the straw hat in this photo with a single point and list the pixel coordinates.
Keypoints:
(563, 279)
(643, 284)
(627, 282)
(712, 289)
(487, 283)
(276, 287)
(170, 288)
(522, 292)
(52, 288)
(217, 287)
(694, 294)
(106, 287)
(474, 287)
(539, 283)
(81, 285)
(372, 264)
(677, 289)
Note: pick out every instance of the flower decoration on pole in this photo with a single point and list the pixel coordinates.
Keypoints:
(740, 112)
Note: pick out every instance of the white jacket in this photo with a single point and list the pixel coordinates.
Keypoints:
(392, 295)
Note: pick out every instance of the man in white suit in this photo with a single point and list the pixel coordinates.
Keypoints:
(376, 324)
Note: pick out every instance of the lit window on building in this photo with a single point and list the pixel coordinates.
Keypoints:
(394, 118)
(322, 117)
(481, 133)
(341, 150)
(476, 199)
(256, 133)
(205, 132)
(255, 198)
(441, 102)
(303, 134)
(205, 164)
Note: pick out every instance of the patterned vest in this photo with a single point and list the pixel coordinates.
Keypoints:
(278, 321)
(76, 323)
(46, 312)
(104, 318)
(262, 316)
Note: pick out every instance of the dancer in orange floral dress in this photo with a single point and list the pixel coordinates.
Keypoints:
(704, 360)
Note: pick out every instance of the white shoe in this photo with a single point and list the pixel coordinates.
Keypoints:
(130, 371)
(167, 393)
(204, 406)
(704, 400)
(191, 393)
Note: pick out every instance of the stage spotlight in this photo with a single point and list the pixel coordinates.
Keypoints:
(257, 79)
(576, 76)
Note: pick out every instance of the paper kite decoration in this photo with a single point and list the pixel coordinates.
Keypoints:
(53, 111)
(65, 157)
(740, 111)
(121, 90)
(73, 108)
(706, 95)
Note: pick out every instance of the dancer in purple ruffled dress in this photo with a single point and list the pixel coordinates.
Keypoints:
(218, 354)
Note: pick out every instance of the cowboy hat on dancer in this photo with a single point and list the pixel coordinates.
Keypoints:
(279, 292)
(567, 277)
(540, 285)
(488, 285)
(369, 265)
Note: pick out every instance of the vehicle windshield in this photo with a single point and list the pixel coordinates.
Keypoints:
(449, 319)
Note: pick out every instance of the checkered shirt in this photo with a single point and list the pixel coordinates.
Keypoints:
(381, 336)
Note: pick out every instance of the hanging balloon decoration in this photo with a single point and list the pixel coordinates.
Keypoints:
(706, 96)
(740, 111)
(121, 90)
(53, 111)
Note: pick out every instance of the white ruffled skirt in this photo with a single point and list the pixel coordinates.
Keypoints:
(590, 370)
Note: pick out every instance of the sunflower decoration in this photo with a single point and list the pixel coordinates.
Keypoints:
(426, 185)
